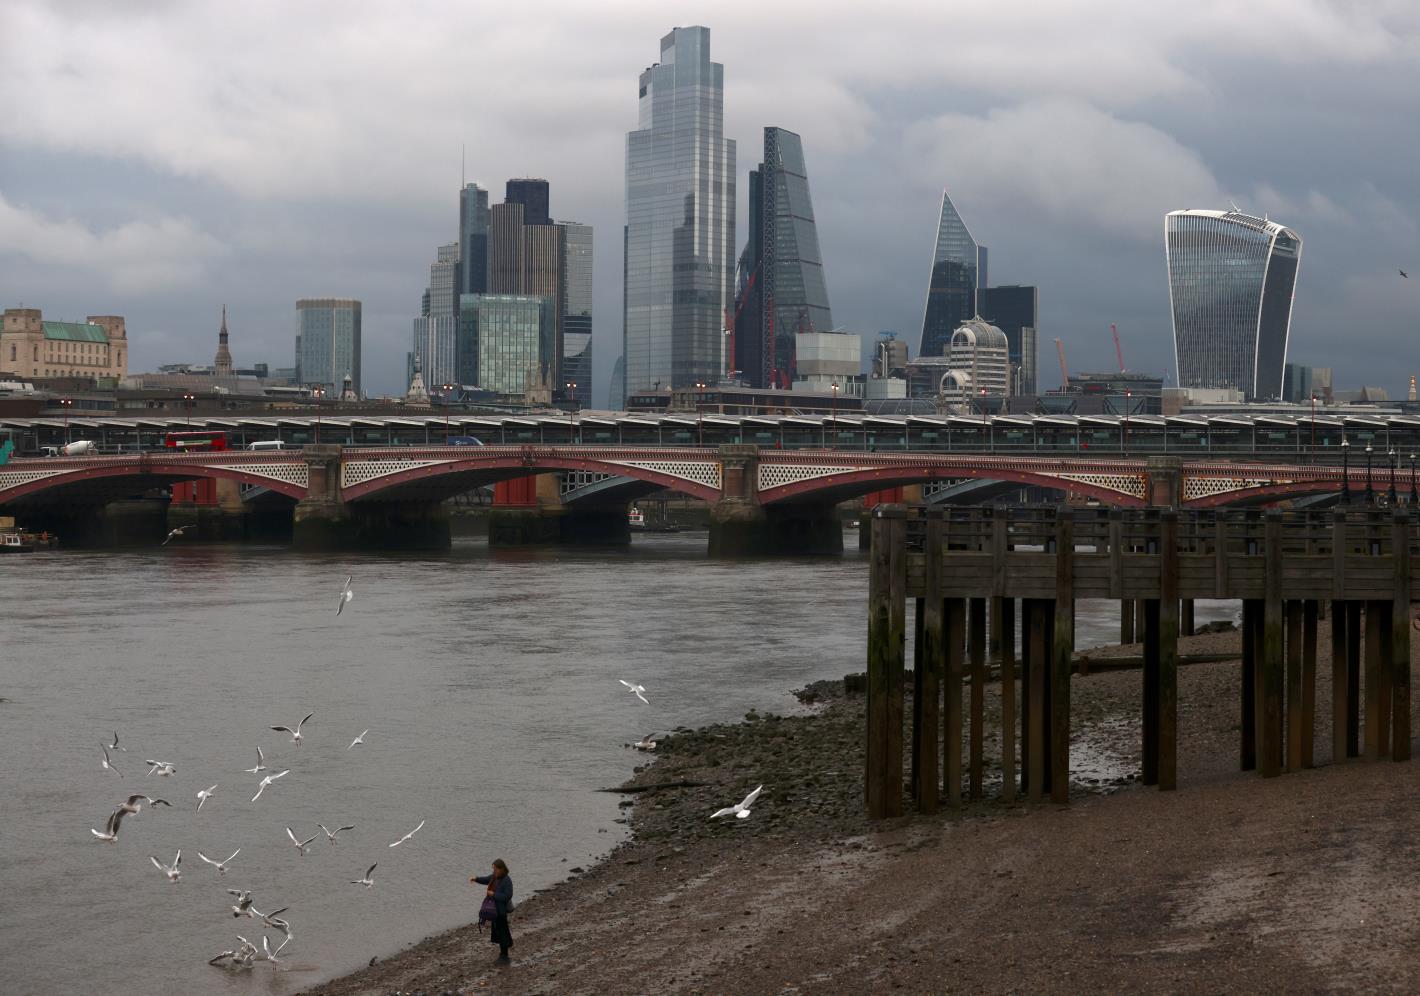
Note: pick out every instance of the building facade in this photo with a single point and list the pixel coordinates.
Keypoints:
(436, 329)
(534, 194)
(328, 343)
(1015, 310)
(33, 347)
(826, 360)
(958, 272)
(680, 220)
(577, 314)
(1231, 281)
(780, 285)
(514, 336)
(980, 351)
(473, 239)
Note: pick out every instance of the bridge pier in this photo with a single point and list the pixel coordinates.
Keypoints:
(741, 526)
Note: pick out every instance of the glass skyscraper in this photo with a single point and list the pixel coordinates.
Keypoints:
(473, 239)
(577, 314)
(1231, 280)
(1015, 310)
(515, 336)
(958, 271)
(436, 329)
(534, 195)
(328, 343)
(780, 285)
(680, 220)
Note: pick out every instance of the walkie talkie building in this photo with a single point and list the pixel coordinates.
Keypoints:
(1231, 279)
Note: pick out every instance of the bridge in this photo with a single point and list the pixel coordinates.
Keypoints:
(761, 498)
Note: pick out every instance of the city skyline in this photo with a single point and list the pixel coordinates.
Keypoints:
(113, 197)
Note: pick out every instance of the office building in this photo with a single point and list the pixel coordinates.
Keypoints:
(436, 329)
(680, 220)
(616, 397)
(1015, 310)
(780, 286)
(980, 351)
(577, 314)
(328, 343)
(1231, 280)
(826, 360)
(1298, 383)
(958, 271)
(33, 347)
(534, 195)
(515, 339)
(530, 259)
(473, 239)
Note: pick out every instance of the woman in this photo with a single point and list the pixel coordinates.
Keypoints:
(500, 888)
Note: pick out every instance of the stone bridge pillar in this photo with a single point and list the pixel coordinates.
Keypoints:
(322, 519)
(740, 525)
(1164, 481)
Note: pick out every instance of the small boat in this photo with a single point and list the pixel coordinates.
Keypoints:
(637, 519)
(19, 541)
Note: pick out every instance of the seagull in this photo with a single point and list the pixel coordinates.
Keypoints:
(367, 881)
(358, 740)
(296, 733)
(408, 835)
(241, 957)
(171, 871)
(271, 955)
(176, 532)
(1405, 275)
(267, 781)
(634, 689)
(243, 905)
(221, 866)
(345, 595)
(648, 742)
(114, 745)
(107, 763)
(134, 803)
(260, 764)
(330, 834)
(110, 830)
(163, 768)
(203, 796)
(301, 845)
(740, 809)
(274, 921)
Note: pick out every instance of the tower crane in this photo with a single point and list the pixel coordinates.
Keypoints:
(1118, 352)
(1064, 370)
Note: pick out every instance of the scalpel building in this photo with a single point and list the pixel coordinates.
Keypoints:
(1231, 279)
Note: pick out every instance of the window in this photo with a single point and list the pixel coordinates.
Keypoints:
(13, 350)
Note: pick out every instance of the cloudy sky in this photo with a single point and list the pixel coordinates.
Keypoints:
(162, 157)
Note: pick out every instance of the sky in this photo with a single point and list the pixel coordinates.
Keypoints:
(162, 158)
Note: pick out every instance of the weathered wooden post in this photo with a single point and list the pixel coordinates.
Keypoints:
(1063, 648)
(932, 664)
(1036, 663)
(1167, 654)
(1339, 690)
(976, 646)
(1270, 667)
(1400, 638)
(1293, 615)
(887, 608)
(1003, 641)
(1185, 617)
(1149, 756)
(1353, 678)
(954, 630)
(1375, 625)
(1310, 610)
(1247, 721)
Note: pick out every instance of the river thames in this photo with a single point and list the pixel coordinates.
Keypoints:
(488, 680)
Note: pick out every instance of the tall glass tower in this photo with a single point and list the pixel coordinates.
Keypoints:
(1231, 279)
(436, 329)
(781, 289)
(680, 220)
(958, 271)
(328, 342)
(473, 239)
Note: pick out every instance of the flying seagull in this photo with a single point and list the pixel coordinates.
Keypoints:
(296, 733)
(203, 796)
(243, 905)
(345, 595)
(221, 866)
(260, 763)
(134, 803)
(163, 768)
(330, 834)
(648, 742)
(114, 745)
(367, 881)
(301, 845)
(176, 532)
(241, 957)
(634, 689)
(739, 809)
(110, 831)
(267, 781)
(271, 955)
(171, 871)
(408, 835)
(1405, 275)
(358, 740)
(274, 921)
(107, 763)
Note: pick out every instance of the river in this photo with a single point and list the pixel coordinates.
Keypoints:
(488, 680)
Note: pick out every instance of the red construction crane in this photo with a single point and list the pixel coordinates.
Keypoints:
(1064, 370)
(1118, 352)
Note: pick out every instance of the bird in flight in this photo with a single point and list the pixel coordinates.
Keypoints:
(204, 795)
(260, 763)
(163, 768)
(296, 733)
(301, 845)
(1405, 275)
(133, 804)
(271, 955)
(243, 905)
(330, 834)
(635, 690)
(368, 881)
(408, 835)
(171, 871)
(221, 866)
(107, 763)
(358, 740)
(345, 595)
(267, 781)
(114, 745)
(176, 532)
(739, 809)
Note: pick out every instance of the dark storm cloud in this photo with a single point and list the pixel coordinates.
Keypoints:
(162, 162)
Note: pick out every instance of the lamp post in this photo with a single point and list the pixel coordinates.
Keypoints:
(446, 389)
(1345, 470)
(318, 393)
(66, 404)
(1414, 495)
(833, 414)
(187, 402)
(1370, 491)
(572, 396)
(1390, 495)
(700, 412)
(1313, 426)
(1127, 405)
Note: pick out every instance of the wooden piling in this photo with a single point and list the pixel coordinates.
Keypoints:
(976, 648)
(1374, 625)
(1063, 643)
(1025, 695)
(1401, 529)
(1353, 678)
(1039, 665)
(887, 586)
(1247, 721)
(1293, 616)
(1149, 773)
(1169, 607)
(1310, 612)
(1126, 621)
(919, 671)
(1185, 614)
(932, 664)
(955, 631)
(1270, 667)
(1004, 637)
(1339, 690)
(1384, 720)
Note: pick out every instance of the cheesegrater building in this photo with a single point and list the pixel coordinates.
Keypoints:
(1231, 282)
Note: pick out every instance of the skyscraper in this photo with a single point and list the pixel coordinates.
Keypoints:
(1015, 310)
(1231, 279)
(680, 220)
(436, 329)
(515, 336)
(577, 314)
(958, 270)
(781, 290)
(328, 342)
(533, 194)
(473, 238)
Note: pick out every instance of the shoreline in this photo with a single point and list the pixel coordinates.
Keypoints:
(1230, 884)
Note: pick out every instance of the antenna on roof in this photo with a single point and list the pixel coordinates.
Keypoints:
(463, 165)
(1235, 206)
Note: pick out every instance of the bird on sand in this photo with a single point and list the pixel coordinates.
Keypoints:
(408, 835)
(171, 871)
(176, 532)
(114, 745)
(345, 595)
(330, 834)
(267, 781)
(301, 845)
(204, 795)
(648, 742)
(260, 764)
(296, 733)
(634, 689)
(221, 866)
(107, 762)
(163, 768)
(368, 881)
(739, 809)
(358, 740)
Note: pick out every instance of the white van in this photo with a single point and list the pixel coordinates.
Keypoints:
(267, 444)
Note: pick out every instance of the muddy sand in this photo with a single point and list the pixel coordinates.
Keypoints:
(1303, 883)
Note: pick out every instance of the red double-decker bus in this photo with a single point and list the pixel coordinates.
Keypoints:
(207, 440)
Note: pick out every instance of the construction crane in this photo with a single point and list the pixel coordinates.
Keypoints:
(1064, 370)
(1118, 352)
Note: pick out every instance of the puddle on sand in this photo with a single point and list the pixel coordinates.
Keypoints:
(1105, 757)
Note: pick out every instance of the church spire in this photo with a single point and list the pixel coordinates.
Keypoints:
(222, 365)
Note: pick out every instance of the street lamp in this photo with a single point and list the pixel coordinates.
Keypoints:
(66, 404)
(188, 400)
(318, 393)
(1127, 405)
(1390, 495)
(833, 414)
(1313, 425)
(1345, 470)
(1370, 491)
(446, 388)
(571, 408)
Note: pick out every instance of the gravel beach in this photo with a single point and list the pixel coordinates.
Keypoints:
(1232, 884)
